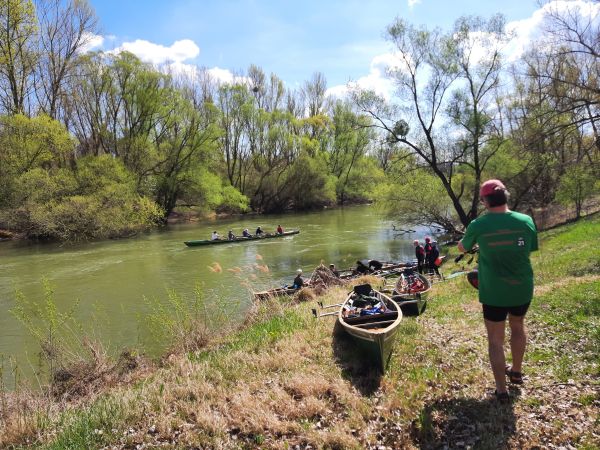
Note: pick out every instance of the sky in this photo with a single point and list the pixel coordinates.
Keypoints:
(342, 39)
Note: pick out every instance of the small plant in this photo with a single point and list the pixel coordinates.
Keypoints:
(189, 324)
(52, 329)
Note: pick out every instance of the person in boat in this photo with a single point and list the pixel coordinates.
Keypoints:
(279, 229)
(420, 255)
(375, 265)
(505, 239)
(246, 233)
(230, 235)
(298, 281)
(361, 268)
(334, 270)
(259, 232)
(432, 256)
(215, 236)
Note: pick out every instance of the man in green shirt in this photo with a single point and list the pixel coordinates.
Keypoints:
(505, 239)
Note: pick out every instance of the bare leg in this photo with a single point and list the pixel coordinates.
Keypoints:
(495, 331)
(518, 341)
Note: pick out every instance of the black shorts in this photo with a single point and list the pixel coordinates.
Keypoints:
(499, 313)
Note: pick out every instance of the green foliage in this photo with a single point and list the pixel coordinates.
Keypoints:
(363, 181)
(54, 331)
(89, 426)
(308, 185)
(577, 185)
(416, 199)
(96, 200)
(233, 201)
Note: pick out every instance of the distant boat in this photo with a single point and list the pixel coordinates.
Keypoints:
(240, 239)
(374, 333)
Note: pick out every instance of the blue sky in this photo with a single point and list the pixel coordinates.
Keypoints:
(342, 39)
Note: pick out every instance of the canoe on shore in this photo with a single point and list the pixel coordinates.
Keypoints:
(276, 292)
(411, 292)
(372, 319)
(388, 269)
(240, 239)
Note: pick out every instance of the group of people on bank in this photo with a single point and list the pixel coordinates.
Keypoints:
(245, 234)
(427, 256)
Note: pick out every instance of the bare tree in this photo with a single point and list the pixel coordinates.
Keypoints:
(66, 27)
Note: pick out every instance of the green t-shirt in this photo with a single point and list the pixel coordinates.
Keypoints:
(505, 241)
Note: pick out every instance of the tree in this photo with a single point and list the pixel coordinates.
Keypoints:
(352, 138)
(65, 28)
(576, 186)
(18, 56)
(446, 84)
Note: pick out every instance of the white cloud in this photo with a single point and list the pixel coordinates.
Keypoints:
(91, 42)
(376, 80)
(527, 31)
(158, 54)
(412, 3)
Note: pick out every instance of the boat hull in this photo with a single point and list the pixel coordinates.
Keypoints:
(233, 241)
(374, 341)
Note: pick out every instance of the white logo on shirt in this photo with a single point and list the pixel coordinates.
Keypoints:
(521, 242)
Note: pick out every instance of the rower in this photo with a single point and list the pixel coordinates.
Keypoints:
(230, 235)
(215, 236)
(375, 265)
(246, 233)
(298, 281)
(334, 270)
(279, 229)
(361, 268)
(259, 231)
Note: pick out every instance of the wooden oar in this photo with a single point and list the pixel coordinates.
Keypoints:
(314, 311)
(328, 306)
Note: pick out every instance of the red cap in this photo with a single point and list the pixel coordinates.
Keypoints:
(427, 239)
(491, 186)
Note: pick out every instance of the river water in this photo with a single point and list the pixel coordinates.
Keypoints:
(108, 282)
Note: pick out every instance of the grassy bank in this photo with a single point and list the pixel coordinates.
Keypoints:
(287, 380)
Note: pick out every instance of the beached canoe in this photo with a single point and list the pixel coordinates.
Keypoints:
(276, 292)
(411, 292)
(372, 319)
(240, 239)
(388, 269)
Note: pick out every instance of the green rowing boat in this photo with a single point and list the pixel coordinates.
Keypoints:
(374, 333)
(240, 239)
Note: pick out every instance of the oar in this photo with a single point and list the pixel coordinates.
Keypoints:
(328, 306)
(314, 311)
(455, 274)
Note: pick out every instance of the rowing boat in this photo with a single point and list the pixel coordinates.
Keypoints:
(388, 269)
(411, 292)
(372, 319)
(240, 239)
(276, 292)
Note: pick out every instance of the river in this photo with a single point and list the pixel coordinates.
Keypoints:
(107, 282)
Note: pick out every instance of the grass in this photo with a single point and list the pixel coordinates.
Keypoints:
(286, 379)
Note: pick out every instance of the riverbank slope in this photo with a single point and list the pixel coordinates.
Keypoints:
(287, 380)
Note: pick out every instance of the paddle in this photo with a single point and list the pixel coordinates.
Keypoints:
(314, 311)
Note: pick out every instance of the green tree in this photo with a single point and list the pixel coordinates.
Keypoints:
(577, 185)
(18, 56)
(446, 84)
